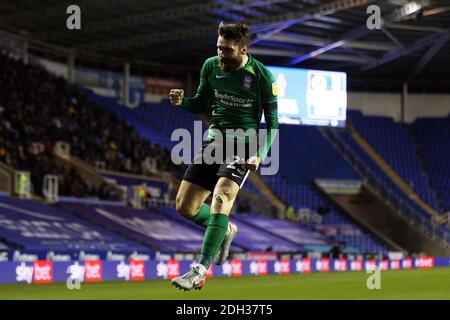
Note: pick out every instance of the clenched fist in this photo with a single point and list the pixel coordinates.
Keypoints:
(176, 96)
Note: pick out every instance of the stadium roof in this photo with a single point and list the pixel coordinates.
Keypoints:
(411, 46)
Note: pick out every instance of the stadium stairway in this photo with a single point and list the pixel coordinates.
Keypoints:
(272, 197)
(87, 171)
(6, 178)
(396, 178)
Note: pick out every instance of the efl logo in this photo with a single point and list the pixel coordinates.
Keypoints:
(137, 270)
(236, 267)
(424, 262)
(43, 271)
(93, 271)
(173, 268)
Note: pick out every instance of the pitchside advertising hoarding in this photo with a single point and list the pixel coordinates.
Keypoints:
(46, 271)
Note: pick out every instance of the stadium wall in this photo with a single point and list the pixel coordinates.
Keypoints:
(390, 105)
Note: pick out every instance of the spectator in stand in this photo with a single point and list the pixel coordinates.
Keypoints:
(38, 107)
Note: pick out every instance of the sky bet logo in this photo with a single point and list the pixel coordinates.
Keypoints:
(40, 272)
(134, 271)
(232, 269)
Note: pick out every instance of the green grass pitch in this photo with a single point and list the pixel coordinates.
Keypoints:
(398, 284)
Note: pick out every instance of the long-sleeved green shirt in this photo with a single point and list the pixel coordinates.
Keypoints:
(237, 99)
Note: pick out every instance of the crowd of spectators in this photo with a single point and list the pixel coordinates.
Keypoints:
(37, 107)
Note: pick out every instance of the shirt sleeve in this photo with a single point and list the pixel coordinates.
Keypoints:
(269, 104)
(202, 99)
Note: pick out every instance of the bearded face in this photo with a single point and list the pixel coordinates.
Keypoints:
(230, 55)
(231, 64)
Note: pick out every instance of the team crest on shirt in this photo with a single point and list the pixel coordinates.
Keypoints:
(248, 83)
(274, 89)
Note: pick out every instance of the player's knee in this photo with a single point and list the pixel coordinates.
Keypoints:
(221, 199)
(184, 207)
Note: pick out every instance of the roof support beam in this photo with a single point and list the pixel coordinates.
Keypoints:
(396, 15)
(286, 24)
(438, 44)
(262, 36)
(320, 42)
(392, 37)
(176, 13)
(345, 38)
(398, 53)
(412, 27)
(293, 53)
(156, 38)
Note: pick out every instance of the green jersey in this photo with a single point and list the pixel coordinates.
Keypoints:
(237, 99)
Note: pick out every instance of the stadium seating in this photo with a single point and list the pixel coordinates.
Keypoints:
(164, 229)
(138, 122)
(145, 226)
(394, 143)
(306, 155)
(432, 136)
(395, 194)
(34, 226)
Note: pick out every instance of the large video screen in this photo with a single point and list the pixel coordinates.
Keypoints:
(311, 97)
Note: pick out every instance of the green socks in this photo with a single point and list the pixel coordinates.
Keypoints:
(203, 215)
(214, 235)
(216, 228)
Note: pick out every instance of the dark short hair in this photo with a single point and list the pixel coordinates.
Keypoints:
(238, 32)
